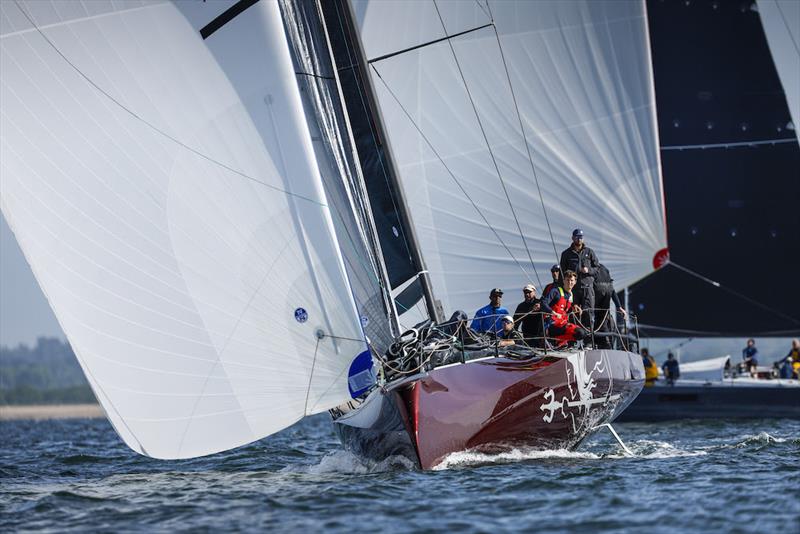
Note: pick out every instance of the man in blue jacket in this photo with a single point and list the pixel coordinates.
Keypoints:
(489, 318)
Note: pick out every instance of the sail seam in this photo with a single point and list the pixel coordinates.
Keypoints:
(153, 126)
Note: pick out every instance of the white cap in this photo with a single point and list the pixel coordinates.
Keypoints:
(507, 318)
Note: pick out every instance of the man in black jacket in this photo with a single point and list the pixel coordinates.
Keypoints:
(528, 317)
(582, 260)
(604, 295)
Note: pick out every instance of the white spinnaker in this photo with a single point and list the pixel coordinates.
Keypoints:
(170, 206)
(781, 21)
(581, 75)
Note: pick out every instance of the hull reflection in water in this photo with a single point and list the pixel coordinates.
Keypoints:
(494, 404)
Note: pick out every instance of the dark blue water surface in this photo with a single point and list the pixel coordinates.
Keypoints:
(689, 476)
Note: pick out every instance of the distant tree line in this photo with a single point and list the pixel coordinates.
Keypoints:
(45, 374)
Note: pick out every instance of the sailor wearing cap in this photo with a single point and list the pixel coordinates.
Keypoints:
(487, 319)
(582, 260)
(509, 335)
(527, 316)
(555, 272)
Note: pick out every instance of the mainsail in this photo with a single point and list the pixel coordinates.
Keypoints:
(159, 175)
(513, 123)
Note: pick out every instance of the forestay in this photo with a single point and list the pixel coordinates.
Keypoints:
(165, 192)
(558, 102)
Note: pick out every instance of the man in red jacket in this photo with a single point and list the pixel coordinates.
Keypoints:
(558, 303)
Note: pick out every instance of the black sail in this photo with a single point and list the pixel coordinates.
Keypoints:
(731, 167)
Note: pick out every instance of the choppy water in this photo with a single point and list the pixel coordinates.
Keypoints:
(691, 476)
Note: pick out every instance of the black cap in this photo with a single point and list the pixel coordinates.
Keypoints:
(555, 267)
(496, 291)
(577, 232)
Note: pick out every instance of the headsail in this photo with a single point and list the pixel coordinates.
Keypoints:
(781, 21)
(555, 109)
(164, 190)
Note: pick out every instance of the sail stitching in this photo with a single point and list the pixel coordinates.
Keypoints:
(522, 129)
(488, 145)
(153, 126)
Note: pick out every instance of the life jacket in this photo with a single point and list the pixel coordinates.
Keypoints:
(650, 369)
(562, 306)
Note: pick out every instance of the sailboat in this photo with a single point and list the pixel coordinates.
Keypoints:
(241, 211)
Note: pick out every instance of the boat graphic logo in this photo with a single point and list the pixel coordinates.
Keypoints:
(582, 385)
(300, 315)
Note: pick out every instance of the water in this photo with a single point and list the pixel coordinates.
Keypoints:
(688, 476)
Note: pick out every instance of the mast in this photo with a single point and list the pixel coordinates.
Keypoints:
(359, 63)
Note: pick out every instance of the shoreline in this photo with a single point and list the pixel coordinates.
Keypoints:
(41, 412)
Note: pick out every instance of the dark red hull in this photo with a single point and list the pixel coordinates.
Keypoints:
(496, 404)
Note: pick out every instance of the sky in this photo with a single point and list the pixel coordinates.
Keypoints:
(24, 311)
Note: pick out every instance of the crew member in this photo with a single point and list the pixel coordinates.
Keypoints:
(672, 370)
(509, 335)
(559, 304)
(604, 295)
(750, 357)
(555, 272)
(650, 368)
(582, 260)
(794, 355)
(528, 317)
(487, 319)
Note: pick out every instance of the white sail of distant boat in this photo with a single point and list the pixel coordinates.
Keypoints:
(781, 21)
(193, 214)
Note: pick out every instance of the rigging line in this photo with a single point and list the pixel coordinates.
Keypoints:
(736, 293)
(737, 144)
(428, 43)
(453, 176)
(153, 126)
(311, 376)
(488, 145)
(320, 76)
(525, 138)
(489, 13)
(357, 77)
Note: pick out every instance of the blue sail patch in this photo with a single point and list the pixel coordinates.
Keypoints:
(361, 376)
